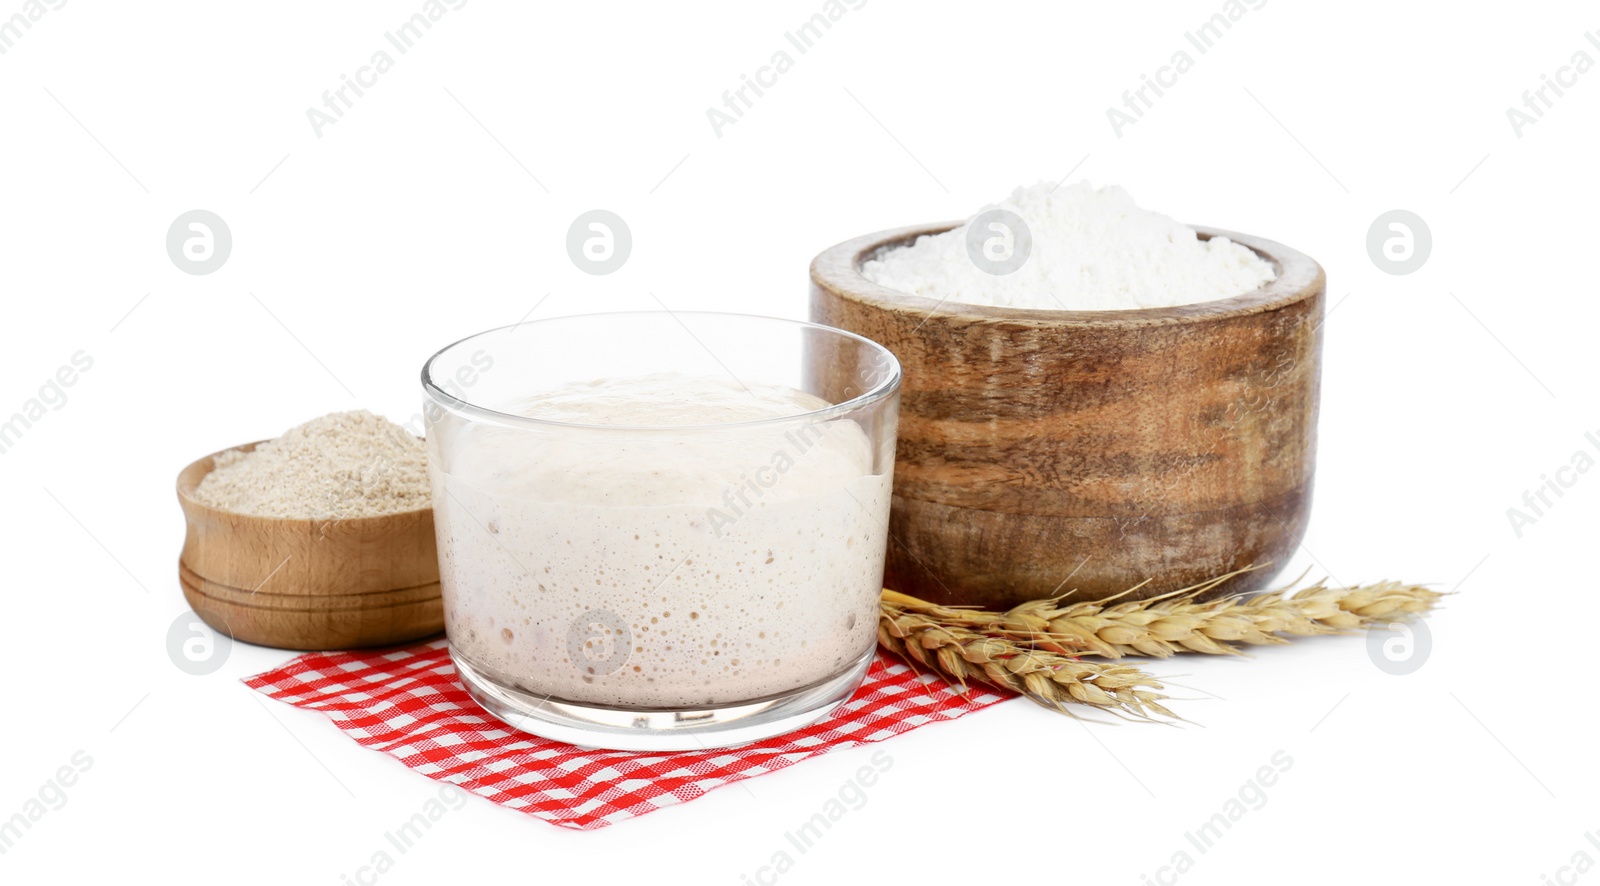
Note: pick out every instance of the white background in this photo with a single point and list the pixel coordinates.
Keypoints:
(438, 207)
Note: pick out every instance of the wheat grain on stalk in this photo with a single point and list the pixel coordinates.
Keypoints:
(965, 655)
(1042, 639)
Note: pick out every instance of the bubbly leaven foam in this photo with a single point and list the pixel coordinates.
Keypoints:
(663, 568)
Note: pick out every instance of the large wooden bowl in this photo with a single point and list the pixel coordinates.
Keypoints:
(309, 584)
(1042, 452)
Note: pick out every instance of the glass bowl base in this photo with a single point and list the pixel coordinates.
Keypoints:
(631, 729)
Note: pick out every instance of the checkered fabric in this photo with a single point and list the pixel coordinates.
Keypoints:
(409, 704)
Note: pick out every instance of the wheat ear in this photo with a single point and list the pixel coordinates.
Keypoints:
(962, 654)
(1180, 622)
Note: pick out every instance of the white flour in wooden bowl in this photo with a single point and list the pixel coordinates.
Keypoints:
(1091, 250)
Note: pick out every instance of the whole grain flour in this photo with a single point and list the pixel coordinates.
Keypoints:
(342, 465)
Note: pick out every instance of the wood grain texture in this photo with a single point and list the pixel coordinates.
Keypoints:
(309, 584)
(1043, 452)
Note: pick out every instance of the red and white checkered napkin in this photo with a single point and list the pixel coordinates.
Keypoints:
(409, 704)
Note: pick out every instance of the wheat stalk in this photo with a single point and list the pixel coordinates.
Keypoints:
(1032, 648)
(962, 654)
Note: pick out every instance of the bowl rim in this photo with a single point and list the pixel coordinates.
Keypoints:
(188, 501)
(886, 388)
(837, 270)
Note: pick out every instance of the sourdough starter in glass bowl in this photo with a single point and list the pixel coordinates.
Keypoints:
(661, 531)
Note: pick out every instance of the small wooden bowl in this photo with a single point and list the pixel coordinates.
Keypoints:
(1042, 452)
(309, 584)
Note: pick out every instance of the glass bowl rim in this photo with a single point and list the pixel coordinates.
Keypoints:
(884, 389)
